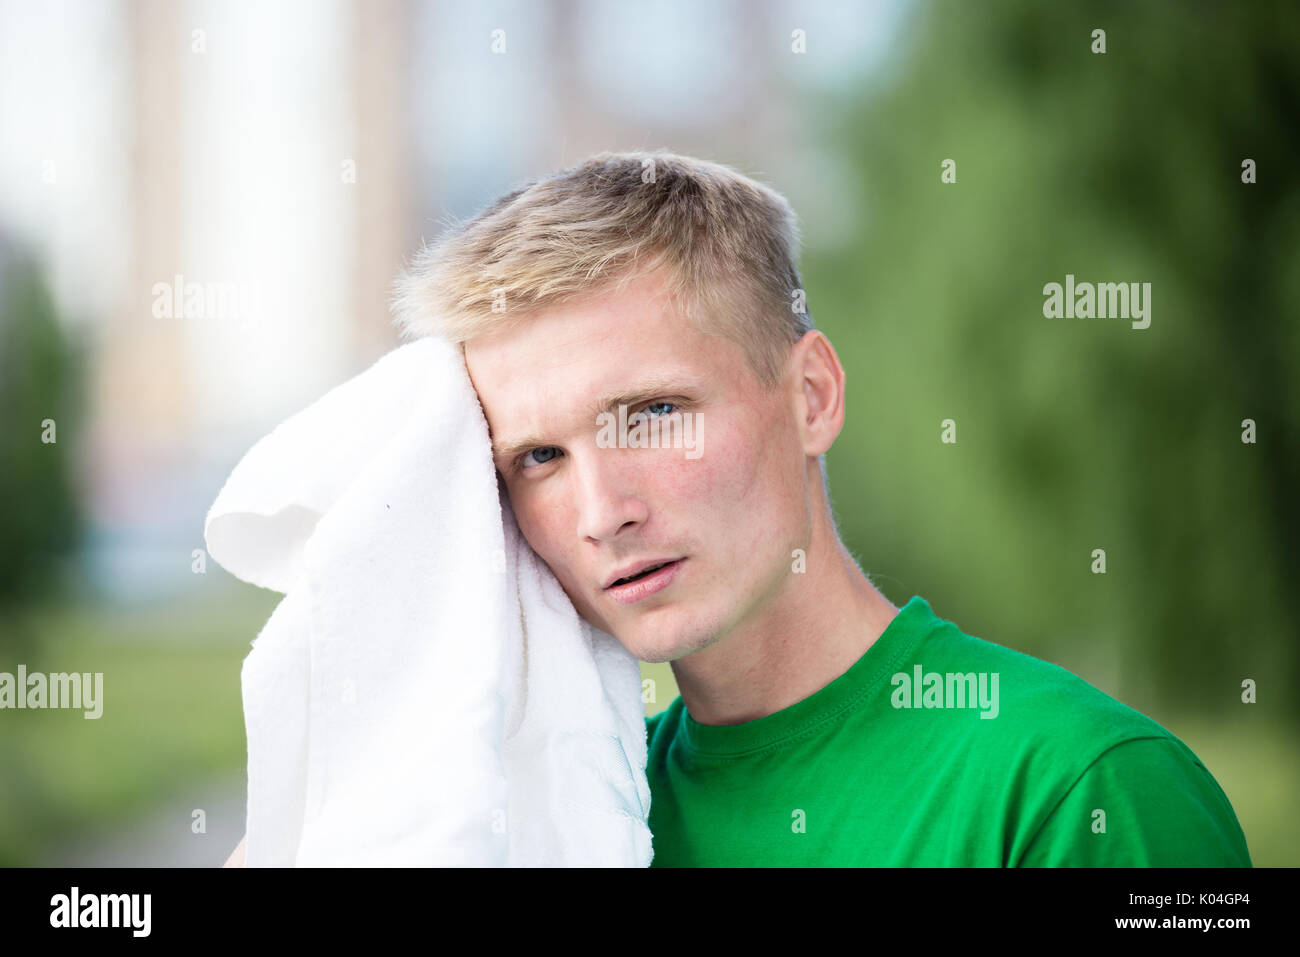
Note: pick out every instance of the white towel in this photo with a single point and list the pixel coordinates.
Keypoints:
(425, 692)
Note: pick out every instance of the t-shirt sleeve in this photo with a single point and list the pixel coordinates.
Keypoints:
(1146, 802)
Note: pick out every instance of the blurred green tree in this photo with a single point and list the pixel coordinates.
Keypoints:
(1079, 434)
(40, 375)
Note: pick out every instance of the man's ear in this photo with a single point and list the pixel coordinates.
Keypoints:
(818, 378)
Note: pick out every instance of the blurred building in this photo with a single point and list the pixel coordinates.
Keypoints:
(223, 192)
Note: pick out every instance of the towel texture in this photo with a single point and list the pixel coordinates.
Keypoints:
(425, 693)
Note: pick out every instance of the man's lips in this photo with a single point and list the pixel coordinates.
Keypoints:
(635, 568)
(650, 583)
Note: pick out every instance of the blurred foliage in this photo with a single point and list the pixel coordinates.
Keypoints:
(1076, 434)
(172, 714)
(41, 522)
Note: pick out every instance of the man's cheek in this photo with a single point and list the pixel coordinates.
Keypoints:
(543, 534)
(526, 517)
(718, 477)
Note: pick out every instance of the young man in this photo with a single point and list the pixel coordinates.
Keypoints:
(817, 724)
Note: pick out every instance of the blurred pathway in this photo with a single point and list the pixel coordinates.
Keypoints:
(162, 837)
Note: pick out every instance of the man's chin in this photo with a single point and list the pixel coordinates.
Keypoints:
(643, 648)
(655, 658)
(658, 648)
(651, 642)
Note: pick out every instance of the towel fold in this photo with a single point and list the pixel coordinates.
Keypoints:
(425, 693)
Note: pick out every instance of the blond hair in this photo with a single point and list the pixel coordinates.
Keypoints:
(730, 244)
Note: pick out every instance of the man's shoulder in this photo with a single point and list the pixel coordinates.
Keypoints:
(1050, 724)
(1037, 698)
(1071, 743)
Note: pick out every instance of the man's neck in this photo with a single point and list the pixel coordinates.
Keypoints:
(817, 628)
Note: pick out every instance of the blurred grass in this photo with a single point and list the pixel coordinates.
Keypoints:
(172, 713)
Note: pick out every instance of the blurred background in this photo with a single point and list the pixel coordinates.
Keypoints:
(202, 206)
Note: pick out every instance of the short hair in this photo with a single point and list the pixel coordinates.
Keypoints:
(730, 243)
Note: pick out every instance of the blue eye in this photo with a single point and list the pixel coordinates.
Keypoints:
(522, 462)
(547, 448)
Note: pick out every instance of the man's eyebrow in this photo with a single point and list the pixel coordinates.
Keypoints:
(644, 391)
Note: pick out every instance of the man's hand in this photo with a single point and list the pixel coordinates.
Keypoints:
(236, 858)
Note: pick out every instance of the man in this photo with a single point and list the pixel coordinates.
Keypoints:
(817, 723)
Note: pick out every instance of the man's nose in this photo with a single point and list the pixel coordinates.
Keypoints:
(608, 499)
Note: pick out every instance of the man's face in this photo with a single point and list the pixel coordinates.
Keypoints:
(730, 511)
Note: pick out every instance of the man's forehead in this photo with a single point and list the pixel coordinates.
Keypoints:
(557, 370)
(613, 317)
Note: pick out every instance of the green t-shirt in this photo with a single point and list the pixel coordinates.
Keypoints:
(1019, 763)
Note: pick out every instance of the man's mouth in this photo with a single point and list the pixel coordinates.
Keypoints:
(638, 570)
(643, 581)
(632, 578)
